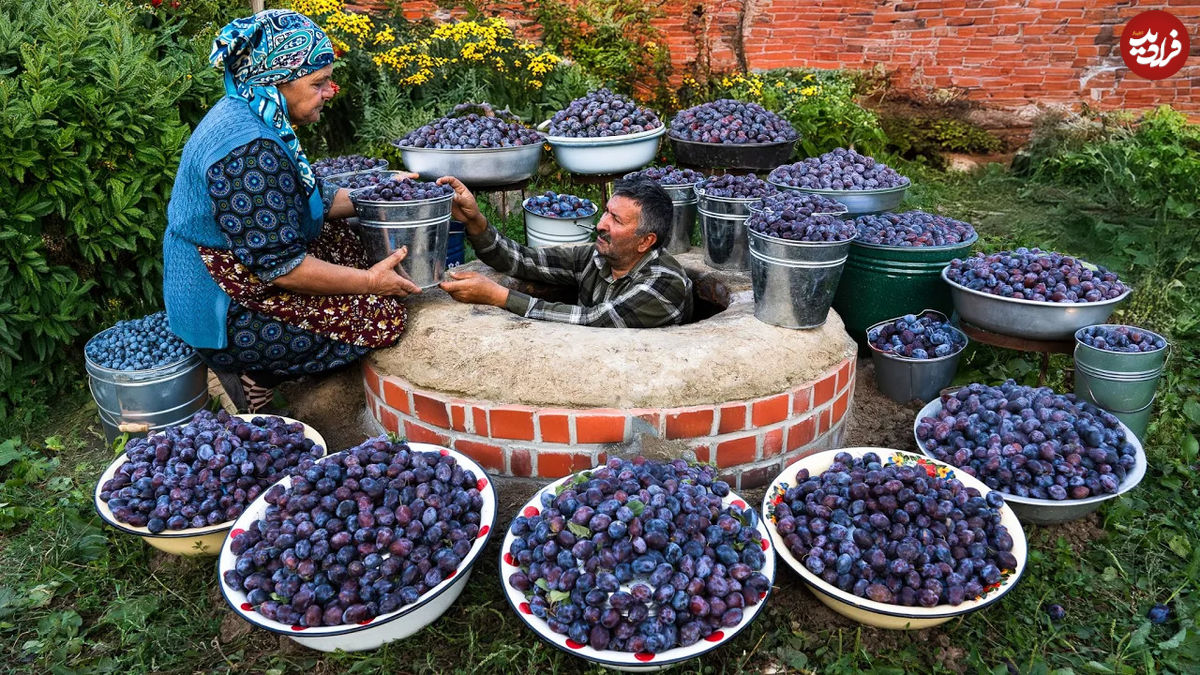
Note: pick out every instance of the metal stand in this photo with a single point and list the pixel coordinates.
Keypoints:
(1042, 347)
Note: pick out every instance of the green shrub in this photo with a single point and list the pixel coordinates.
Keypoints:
(90, 135)
(926, 138)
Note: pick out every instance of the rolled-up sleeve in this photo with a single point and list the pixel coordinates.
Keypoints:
(258, 201)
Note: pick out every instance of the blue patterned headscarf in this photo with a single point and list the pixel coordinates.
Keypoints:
(265, 50)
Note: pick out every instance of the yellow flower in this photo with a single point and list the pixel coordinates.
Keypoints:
(317, 7)
(809, 77)
(808, 91)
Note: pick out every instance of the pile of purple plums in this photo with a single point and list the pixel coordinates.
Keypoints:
(838, 169)
(204, 472)
(1121, 339)
(928, 336)
(803, 203)
(137, 344)
(730, 121)
(897, 534)
(470, 132)
(639, 556)
(1034, 274)
(360, 534)
(912, 228)
(730, 186)
(602, 113)
(1029, 442)
(345, 164)
(554, 205)
(789, 224)
(361, 180)
(403, 190)
(668, 175)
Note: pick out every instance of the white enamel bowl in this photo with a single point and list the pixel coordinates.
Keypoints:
(869, 612)
(385, 627)
(190, 541)
(625, 661)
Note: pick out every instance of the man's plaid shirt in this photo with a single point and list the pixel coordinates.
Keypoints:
(656, 292)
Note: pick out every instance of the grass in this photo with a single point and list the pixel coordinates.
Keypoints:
(77, 597)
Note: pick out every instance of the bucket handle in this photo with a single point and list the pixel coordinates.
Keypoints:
(1092, 396)
(133, 427)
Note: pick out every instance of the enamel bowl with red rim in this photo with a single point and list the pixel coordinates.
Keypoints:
(192, 540)
(621, 660)
(384, 628)
(880, 614)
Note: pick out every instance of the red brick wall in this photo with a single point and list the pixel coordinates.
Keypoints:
(1004, 53)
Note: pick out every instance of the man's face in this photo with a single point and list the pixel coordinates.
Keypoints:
(307, 95)
(616, 233)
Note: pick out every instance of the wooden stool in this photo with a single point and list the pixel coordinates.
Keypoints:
(1043, 347)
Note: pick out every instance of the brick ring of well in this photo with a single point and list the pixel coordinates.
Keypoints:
(539, 399)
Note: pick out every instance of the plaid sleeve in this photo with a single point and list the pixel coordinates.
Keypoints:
(662, 298)
(552, 265)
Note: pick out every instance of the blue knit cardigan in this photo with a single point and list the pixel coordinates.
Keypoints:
(196, 305)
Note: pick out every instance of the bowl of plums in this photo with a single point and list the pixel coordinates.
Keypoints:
(603, 132)
(863, 184)
(360, 548)
(181, 489)
(893, 539)
(477, 144)
(338, 170)
(1055, 458)
(731, 134)
(1033, 294)
(637, 564)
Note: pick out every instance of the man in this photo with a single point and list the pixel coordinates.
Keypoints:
(625, 280)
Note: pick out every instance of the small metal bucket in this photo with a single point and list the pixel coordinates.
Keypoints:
(1123, 383)
(683, 217)
(902, 379)
(423, 226)
(723, 230)
(794, 281)
(144, 401)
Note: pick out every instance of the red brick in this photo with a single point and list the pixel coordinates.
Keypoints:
(519, 463)
(737, 451)
(690, 423)
(480, 415)
(396, 397)
(458, 417)
(420, 434)
(772, 442)
(843, 375)
(431, 410)
(824, 390)
(801, 433)
(554, 464)
(801, 399)
(653, 418)
(514, 423)
(491, 457)
(759, 476)
(770, 410)
(583, 461)
(555, 427)
(599, 428)
(371, 379)
(703, 452)
(389, 420)
(826, 421)
(733, 418)
(840, 406)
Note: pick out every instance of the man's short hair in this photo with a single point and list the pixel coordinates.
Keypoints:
(656, 208)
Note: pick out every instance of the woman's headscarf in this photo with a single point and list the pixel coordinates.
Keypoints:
(265, 50)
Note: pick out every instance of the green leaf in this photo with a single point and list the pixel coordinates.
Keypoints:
(636, 506)
(542, 584)
(559, 596)
(579, 530)
(1175, 641)
(1191, 408)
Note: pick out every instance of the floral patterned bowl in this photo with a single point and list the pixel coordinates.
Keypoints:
(886, 615)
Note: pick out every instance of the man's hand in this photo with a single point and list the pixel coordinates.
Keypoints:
(382, 278)
(474, 288)
(465, 208)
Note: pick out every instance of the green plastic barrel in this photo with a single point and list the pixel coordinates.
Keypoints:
(880, 282)
(1123, 383)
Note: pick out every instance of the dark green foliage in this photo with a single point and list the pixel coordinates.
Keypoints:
(926, 138)
(90, 134)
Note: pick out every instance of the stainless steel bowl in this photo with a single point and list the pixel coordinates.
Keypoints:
(1049, 511)
(858, 202)
(400, 212)
(605, 155)
(334, 177)
(342, 179)
(477, 167)
(1028, 319)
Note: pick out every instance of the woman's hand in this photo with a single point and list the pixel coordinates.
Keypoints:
(465, 208)
(382, 278)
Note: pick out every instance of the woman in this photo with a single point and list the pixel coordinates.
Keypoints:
(260, 276)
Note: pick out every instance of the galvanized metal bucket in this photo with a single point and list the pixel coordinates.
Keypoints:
(1123, 383)
(144, 401)
(423, 226)
(904, 379)
(794, 281)
(723, 230)
(683, 218)
(543, 231)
